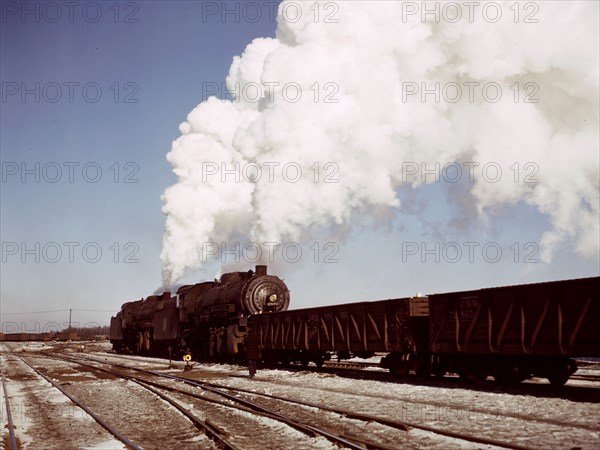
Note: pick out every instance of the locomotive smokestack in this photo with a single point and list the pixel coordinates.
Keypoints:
(261, 270)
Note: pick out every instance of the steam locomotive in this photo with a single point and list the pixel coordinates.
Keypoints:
(511, 333)
(206, 319)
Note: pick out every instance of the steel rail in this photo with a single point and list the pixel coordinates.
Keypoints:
(306, 428)
(349, 442)
(401, 425)
(350, 365)
(585, 377)
(112, 430)
(11, 427)
(393, 423)
(208, 427)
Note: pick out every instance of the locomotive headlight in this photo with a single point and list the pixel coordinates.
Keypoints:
(273, 298)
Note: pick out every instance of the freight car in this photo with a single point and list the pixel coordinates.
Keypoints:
(25, 337)
(397, 326)
(207, 319)
(49, 336)
(511, 333)
(515, 332)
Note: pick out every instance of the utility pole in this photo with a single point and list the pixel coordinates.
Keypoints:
(69, 336)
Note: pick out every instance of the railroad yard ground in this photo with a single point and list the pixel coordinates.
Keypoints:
(532, 415)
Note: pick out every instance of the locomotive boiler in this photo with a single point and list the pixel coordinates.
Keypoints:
(206, 319)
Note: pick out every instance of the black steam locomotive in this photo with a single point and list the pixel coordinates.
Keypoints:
(206, 319)
(511, 332)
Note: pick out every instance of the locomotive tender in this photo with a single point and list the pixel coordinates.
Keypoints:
(511, 332)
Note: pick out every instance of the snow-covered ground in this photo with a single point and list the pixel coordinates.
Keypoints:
(43, 417)
(522, 417)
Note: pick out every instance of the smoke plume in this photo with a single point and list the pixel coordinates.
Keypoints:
(362, 119)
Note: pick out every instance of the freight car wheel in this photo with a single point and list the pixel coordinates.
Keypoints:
(560, 375)
(508, 375)
(558, 379)
(424, 372)
(473, 377)
(397, 364)
(439, 373)
(400, 368)
(423, 368)
(473, 374)
(439, 368)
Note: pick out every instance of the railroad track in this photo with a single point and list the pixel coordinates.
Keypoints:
(241, 396)
(124, 429)
(209, 428)
(351, 442)
(585, 377)
(361, 365)
(486, 414)
(364, 370)
(206, 426)
(103, 423)
(400, 425)
(359, 369)
(436, 403)
(12, 439)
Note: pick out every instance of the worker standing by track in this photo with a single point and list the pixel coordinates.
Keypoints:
(252, 345)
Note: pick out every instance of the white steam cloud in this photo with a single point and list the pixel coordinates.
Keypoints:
(358, 111)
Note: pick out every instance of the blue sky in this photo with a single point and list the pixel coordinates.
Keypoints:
(150, 74)
(165, 56)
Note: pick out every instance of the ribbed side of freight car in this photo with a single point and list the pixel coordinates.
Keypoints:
(513, 332)
(305, 335)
